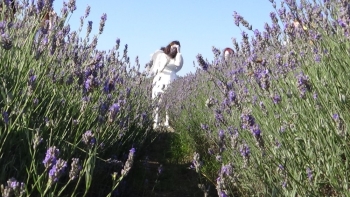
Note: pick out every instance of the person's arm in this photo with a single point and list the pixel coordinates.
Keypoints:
(178, 62)
(160, 63)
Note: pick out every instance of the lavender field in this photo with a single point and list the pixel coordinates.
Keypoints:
(271, 120)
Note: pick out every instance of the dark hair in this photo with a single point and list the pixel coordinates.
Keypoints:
(171, 52)
(230, 51)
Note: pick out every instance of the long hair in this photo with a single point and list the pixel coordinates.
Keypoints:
(171, 52)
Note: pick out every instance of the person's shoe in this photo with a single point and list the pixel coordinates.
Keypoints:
(155, 126)
(166, 124)
(168, 127)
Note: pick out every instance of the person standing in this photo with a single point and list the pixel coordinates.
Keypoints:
(165, 66)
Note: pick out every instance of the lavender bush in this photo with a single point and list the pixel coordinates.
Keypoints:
(63, 96)
(272, 119)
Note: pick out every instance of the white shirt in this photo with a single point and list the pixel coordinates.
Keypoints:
(165, 69)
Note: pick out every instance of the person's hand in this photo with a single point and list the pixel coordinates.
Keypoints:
(177, 47)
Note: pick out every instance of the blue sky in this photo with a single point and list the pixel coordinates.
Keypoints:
(146, 25)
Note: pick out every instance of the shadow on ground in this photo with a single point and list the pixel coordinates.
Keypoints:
(155, 174)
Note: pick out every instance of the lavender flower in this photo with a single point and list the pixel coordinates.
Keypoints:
(336, 117)
(160, 169)
(258, 137)
(75, 169)
(263, 107)
(89, 139)
(237, 18)
(6, 41)
(255, 131)
(37, 140)
(102, 22)
(226, 176)
(339, 124)
(117, 43)
(89, 28)
(13, 188)
(64, 10)
(5, 117)
(245, 152)
(226, 170)
(221, 134)
(205, 127)
(264, 79)
(234, 138)
(40, 5)
(280, 167)
(51, 156)
(341, 23)
(196, 163)
(276, 99)
(317, 58)
(129, 162)
(88, 84)
(57, 170)
(87, 11)
(35, 101)
(216, 52)
(218, 158)
(247, 120)
(113, 110)
(109, 86)
(31, 79)
(284, 184)
(273, 17)
(223, 194)
(231, 96)
(219, 116)
(303, 84)
(203, 64)
(309, 174)
(72, 5)
(221, 142)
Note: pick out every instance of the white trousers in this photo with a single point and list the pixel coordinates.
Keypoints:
(160, 84)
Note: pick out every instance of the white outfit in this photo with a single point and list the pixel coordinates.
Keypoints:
(165, 70)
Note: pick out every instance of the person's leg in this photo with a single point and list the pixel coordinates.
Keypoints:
(166, 123)
(155, 120)
(156, 99)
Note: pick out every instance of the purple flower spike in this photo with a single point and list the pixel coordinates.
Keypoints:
(237, 18)
(75, 169)
(57, 170)
(231, 96)
(13, 188)
(89, 139)
(309, 174)
(5, 117)
(221, 134)
(245, 150)
(51, 156)
(276, 99)
(203, 64)
(72, 5)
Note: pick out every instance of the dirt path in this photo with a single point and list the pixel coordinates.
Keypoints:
(155, 175)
